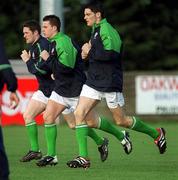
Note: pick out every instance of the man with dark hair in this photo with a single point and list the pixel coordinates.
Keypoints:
(105, 80)
(42, 71)
(7, 77)
(69, 78)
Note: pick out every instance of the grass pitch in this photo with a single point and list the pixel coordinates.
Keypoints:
(144, 163)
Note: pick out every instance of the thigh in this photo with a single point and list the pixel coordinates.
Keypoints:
(53, 110)
(39, 96)
(71, 104)
(34, 108)
(90, 93)
(92, 119)
(120, 118)
(70, 119)
(114, 99)
(84, 106)
(118, 113)
(89, 97)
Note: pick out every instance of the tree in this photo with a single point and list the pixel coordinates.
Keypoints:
(12, 15)
(148, 29)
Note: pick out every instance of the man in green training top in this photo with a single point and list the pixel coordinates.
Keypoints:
(69, 78)
(105, 80)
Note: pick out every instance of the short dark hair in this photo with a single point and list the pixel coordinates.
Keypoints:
(33, 25)
(95, 6)
(54, 21)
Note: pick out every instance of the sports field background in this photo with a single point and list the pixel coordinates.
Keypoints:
(144, 163)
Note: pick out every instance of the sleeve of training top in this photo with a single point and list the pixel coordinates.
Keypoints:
(106, 47)
(38, 68)
(6, 70)
(41, 66)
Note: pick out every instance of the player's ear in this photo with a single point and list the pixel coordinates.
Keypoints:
(55, 28)
(36, 32)
(98, 15)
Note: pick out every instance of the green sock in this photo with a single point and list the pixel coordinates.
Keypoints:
(81, 135)
(92, 134)
(108, 126)
(140, 126)
(33, 135)
(51, 134)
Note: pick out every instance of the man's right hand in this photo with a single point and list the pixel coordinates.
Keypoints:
(25, 56)
(14, 100)
(85, 50)
(44, 55)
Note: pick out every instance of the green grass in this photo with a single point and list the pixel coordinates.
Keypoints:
(144, 163)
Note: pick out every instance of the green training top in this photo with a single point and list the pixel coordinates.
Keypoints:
(66, 52)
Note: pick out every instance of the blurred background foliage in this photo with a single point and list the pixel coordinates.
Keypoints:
(147, 27)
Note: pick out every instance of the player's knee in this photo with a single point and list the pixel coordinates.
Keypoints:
(122, 122)
(27, 118)
(70, 123)
(71, 126)
(79, 116)
(48, 119)
(91, 124)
